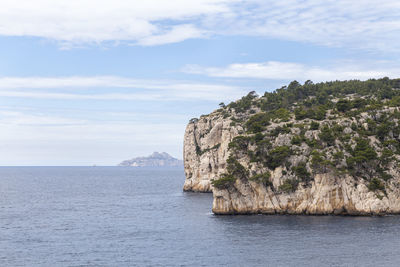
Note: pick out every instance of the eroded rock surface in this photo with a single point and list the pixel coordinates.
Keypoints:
(289, 152)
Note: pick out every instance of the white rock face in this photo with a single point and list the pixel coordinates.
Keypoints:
(205, 155)
(205, 152)
(327, 194)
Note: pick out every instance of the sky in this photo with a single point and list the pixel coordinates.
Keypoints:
(97, 82)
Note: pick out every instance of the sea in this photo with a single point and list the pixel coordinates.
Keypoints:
(124, 216)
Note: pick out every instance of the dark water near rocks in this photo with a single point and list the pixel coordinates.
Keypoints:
(116, 216)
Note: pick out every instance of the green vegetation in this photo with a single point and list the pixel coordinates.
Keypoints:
(314, 125)
(363, 153)
(319, 162)
(201, 152)
(387, 156)
(239, 143)
(289, 186)
(301, 171)
(224, 182)
(383, 130)
(257, 122)
(313, 143)
(244, 104)
(338, 156)
(343, 105)
(235, 170)
(280, 130)
(297, 140)
(385, 176)
(327, 135)
(286, 96)
(277, 156)
(316, 113)
(282, 114)
(260, 154)
(262, 178)
(363, 162)
(299, 111)
(376, 184)
(313, 100)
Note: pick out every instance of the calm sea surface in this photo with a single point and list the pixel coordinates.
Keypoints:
(116, 216)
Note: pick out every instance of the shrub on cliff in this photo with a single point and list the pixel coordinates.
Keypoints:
(260, 154)
(376, 184)
(277, 156)
(316, 113)
(257, 122)
(235, 170)
(301, 171)
(363, 162)
(319, 163)
(314, 125)
(224, 182)
(297, 140)
(386, 157)
(383, 130)
(289, 185)
(262, 178)
(327, 136)
(245, 103)
(300, 114)
(362, 153)
(280, 130)
(239, 143)
(282, 114)
(343, 105)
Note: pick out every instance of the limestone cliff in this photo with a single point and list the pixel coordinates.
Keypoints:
(205, 150)
(327, 148)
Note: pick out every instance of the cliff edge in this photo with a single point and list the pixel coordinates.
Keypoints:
(326, 148)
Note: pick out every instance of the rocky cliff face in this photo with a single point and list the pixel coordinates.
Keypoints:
(307, 154)
(326, 194)
(205, 151)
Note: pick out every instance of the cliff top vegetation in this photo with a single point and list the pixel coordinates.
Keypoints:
(345, 127)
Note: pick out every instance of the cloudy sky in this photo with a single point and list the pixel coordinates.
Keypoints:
(99, 81)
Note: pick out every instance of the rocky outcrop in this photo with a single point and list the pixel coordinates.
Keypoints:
(327, 194)
(277, 155)
(205, 151)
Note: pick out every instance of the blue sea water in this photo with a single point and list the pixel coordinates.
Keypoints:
(119, 216)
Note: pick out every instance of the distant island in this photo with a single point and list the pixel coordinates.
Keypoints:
(154, 160)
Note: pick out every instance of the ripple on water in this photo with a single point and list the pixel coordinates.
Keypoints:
(114, 216)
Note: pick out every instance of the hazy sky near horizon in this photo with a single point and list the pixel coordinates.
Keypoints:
(96, 82)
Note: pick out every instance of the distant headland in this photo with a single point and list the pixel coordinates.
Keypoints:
(154, 160)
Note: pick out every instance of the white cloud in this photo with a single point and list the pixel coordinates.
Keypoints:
(46, 88)
(37, 138)
(366, 24)
(103, 20)
(84, 144)
(78, 132)
(12, 117)
(275, 70)
(176, 34)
